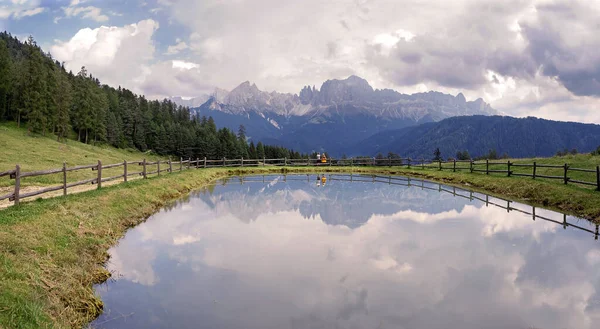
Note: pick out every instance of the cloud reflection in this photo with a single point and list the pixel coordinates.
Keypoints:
(249, 256)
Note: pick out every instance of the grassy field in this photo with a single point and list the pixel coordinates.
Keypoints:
(52, 251)
(582, 161)
(42, 153)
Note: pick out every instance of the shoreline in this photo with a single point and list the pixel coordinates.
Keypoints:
(53, 251)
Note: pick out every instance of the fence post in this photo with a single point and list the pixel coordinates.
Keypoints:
(285, 161)
(471, 166)
(197, 163)
(534, 168)
(422, 163)
(204, 162)
(125, 171)
(17, 183)
(330, 161)
(566, 169)
(264, 161)
(158, 167)
(351, 162)
(440, 162)
(180, 163)
(170, 165)
(389, 162)
(242, 162)
(598, 178)
(454, 166)
(189, 164)
(144, 169)
(99, 174)
(408, 163)
(487, 166)
(223, 162)
(64, 178)
(508, 164)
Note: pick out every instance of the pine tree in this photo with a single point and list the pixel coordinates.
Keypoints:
(34, 91)
(252, 153)
(260, 150)
(5, 79)
(437, 155)
(82, 106)
(63, 100)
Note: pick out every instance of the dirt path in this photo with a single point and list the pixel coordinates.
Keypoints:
(76, 189)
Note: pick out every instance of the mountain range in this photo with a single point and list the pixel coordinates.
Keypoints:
(350, 117)
(517, 137)
(339, 114)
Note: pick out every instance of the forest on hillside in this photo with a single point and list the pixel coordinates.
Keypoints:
(37, 92)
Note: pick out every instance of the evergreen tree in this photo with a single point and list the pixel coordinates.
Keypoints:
(82, 106)
(34, 88)
(5, 79)
(437, 155)
(260, 150)
(63, 100)
(252, 153)
(38, 90)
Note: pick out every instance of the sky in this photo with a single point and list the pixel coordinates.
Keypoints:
(524, 57)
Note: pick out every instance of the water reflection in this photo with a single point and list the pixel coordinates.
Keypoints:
(359, 252)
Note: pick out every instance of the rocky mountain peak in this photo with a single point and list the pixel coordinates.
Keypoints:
(352, 89)
(245, 94)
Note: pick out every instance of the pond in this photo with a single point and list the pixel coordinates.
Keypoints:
(262, 252)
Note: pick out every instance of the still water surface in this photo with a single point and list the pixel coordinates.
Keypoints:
(282, 252)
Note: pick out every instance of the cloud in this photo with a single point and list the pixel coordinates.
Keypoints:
(177, 48)
(525, 57)
(538, 50)
(18, 9)
(563, 38)
(115, 55)
(90, 12)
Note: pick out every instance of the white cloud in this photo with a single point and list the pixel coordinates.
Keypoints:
(182, 65)
(18, 9)
(115, 55)
(451, 46)
(90, 12)
(177, 48)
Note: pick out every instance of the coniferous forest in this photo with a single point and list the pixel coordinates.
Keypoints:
(38, 93)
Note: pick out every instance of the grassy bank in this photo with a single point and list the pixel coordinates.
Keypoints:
(36, 152)
(52, 251)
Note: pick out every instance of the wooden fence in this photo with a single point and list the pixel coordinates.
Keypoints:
(158, 167)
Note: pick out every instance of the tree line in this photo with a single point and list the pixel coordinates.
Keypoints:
(36, 91)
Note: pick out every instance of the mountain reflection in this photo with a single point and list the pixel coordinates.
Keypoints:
(365, 253)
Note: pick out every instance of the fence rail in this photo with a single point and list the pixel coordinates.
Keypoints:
(154, 168)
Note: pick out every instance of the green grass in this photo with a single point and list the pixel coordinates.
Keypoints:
(581, 161)
(36, 152)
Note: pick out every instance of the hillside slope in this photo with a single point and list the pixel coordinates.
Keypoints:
(518, 137)
(36, 152)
